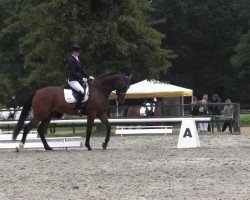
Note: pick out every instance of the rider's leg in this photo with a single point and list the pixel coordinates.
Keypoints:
(77, 86)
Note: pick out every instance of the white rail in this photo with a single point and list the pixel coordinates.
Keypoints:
(121, 120)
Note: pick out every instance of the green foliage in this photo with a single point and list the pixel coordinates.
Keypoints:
(114, 36)
(203, 34)
(6, 89)
(210, 39)
(241, 63)
(245, 120)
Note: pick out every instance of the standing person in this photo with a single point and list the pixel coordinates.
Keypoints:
(76, 76)
(206, 98)
(195, 106)
(228, 113)
(216, 111)
(203, 111)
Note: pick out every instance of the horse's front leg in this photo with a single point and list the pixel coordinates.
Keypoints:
(90, 124)
(104, 120)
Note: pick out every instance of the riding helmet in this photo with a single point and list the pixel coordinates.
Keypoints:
(75, 47)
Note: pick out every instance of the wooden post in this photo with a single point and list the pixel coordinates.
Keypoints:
(236, 118)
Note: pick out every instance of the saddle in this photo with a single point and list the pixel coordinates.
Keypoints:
(71, 95)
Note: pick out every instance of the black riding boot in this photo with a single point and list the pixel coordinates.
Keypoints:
(79, 104)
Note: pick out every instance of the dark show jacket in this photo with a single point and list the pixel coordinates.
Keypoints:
(75, 72)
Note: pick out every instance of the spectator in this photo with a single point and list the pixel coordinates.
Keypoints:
(228, 113)
(216, 111)
(205, 101)
(203, 111)
(205, 97)
(195, 106)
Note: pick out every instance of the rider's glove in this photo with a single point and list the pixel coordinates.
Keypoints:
(91, 78)
(84, 79)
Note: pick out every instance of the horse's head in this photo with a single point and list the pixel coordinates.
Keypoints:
(121, 86)
(114, 81)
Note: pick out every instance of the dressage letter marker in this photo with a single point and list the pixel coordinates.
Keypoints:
(187, 133)
(188, 137)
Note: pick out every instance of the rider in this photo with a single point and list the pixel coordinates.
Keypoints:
(150, 106)
(76, 75)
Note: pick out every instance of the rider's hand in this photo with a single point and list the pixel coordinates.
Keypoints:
(84, 79)
(91, 78)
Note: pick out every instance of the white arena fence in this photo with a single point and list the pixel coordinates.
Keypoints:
(188, 135)
(146, 122)
(34, 142)
(122, 121)
(187, 127)
(119, 120)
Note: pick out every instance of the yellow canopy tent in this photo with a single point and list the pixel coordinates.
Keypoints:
(154, 88)
(157, 89)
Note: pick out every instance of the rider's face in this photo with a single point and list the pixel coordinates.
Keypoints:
(76, 53)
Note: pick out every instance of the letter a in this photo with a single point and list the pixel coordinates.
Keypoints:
(187, 133)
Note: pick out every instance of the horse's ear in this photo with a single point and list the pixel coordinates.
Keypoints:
(129, 78)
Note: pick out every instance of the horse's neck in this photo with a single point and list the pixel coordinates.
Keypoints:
(106, 86)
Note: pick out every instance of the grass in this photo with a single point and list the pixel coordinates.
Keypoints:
(245, 120)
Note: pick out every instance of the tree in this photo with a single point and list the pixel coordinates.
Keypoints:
(203, 34)
(114, 37)
(9, 58)
(241, 63)
(6, 89)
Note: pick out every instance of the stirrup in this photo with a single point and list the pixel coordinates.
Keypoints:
(79, 112)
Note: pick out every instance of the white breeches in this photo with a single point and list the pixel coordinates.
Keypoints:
(76, 86)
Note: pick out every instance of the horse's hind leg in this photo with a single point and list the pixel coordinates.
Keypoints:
(89, 131)
(42, 130)
(105, 121)
(32, 124)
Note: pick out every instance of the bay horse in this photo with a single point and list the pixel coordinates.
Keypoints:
(140, 111)
(49, 101)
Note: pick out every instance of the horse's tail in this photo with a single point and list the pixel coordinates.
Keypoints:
(23, 116)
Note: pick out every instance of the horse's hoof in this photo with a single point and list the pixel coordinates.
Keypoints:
(104, 145)
(20, 147)
(48, 149)
(88, 147)
(17, 149)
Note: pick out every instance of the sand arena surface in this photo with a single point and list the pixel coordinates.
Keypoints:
(133, 167)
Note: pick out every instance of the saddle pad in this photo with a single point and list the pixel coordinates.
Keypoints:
(143, 112)
(69, 98)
